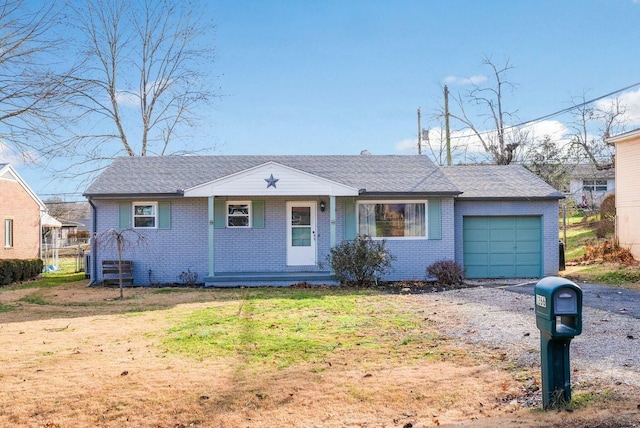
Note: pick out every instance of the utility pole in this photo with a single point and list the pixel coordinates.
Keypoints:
(419, 134)
(446, 124)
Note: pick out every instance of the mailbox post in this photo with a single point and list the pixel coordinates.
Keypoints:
(558, 304)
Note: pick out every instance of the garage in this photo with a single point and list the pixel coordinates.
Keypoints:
(502, 246)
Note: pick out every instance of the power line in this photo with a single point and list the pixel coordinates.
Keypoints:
(557, 113)
(568, 109)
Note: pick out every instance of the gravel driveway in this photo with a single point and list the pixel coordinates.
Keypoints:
(503, 318)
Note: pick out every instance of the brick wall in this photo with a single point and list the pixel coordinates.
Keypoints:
(167, 253)
(18, 205)
(160, 255)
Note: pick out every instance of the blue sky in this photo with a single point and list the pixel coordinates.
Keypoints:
(337, 77)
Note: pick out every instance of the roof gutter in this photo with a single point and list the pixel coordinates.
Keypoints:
(131, 195)
(512, 198)
(407, 195)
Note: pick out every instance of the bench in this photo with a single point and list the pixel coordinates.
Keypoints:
(110, 273)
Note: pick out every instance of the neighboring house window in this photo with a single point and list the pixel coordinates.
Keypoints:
(393, 219)
(594, 185)
(145, 215)
(238, 214)
(8, 233)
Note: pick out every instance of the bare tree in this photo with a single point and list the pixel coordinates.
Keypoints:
(502, 141)
(61, 210)
(592, 126)
(30, 89)
(123, 240)
(144, 74)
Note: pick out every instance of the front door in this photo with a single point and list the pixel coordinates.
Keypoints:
(301, 233)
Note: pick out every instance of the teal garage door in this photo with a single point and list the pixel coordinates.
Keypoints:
(502, 247)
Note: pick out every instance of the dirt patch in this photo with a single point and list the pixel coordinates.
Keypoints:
(83, 358)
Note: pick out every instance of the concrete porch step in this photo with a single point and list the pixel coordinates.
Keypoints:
(269, 279)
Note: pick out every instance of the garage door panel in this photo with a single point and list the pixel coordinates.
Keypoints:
(504, 223)
(476, 235)
(527, 271)
(502, 235)
(532, 235)
(528, 259)
(481, 259)
(501, 272)
(501, 247)
(501, 259)
(527, 222)
(478, 223)
(529, 247)
(498, 247)
(476, 247)
(477, 271)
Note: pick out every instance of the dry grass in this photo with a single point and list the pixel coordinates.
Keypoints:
(81, 358)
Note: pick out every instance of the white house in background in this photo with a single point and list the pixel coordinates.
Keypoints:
(628, 190)
(588, 186)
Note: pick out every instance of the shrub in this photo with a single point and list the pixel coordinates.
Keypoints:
(447, 272)
(14, 270)
(360, 260)
(189, 278)
(606, 225)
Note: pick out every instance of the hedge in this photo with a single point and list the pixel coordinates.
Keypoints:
(14, 270)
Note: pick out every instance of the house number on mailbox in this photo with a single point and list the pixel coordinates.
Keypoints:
(541, 301)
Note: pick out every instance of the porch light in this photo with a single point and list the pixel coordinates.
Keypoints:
(322, 206)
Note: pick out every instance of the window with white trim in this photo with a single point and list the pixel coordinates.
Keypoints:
(8, 233)
(145, 215)
(393, 219)
(238, 214)
(594, 185)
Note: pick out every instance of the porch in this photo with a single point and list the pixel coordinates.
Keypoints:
(269, 279)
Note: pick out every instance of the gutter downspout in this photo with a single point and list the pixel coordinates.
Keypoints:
(94, 249)
(40, 239)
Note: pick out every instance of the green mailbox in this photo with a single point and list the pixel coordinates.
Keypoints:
(558, 304)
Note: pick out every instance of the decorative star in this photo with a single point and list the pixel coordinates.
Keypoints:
(271, 181)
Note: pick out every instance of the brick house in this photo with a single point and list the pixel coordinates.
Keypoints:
(272, 219)
(21, 212)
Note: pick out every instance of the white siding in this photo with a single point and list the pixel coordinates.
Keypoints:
(628, 194)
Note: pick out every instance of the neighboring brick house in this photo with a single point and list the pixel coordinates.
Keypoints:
(20, 212)
(628, 190)
(272, 219)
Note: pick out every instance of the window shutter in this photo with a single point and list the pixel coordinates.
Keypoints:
(124, 220)
(219, 214)
(258, 220)
(164, 215)
(435, 219)
(350, 219)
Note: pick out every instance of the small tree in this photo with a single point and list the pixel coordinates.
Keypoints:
(360, 260)
(122, 240)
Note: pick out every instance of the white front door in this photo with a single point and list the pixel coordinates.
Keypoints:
(301, 233)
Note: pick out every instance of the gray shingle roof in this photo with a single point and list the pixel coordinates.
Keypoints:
(589, 171)
(499, 182)
(166, 174)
